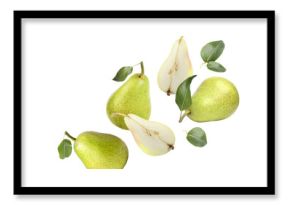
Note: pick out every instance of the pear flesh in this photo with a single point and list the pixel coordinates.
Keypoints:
(101, 151)
(176, 68)
(153, 138)
(132, 97)
(216, 98)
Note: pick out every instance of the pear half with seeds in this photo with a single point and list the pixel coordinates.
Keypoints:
(153, 138)
(176, 68)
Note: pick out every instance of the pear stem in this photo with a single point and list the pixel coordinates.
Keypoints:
(182, 116)
(142, 68)
(68, 135)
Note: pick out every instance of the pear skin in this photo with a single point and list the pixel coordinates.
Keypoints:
(101, 151)
(216, 99)
(132, 97)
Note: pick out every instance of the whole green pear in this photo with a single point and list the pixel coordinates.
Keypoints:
(132, 97)
(101, 151)
(215, 99)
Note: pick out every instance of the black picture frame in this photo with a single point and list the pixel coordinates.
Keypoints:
(268, 190)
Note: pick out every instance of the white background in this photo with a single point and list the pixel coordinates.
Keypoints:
(67, 70)
(282, 165)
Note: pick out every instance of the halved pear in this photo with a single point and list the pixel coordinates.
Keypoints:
(176, 68)
(153, 138)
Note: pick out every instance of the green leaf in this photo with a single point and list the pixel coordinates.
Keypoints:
(212, 50)
(64, 148)
(183, 94)
(214, 66)
(123, 73)
(197, 137)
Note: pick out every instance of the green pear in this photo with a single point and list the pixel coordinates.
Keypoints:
(132, 97)
(216, 99)
(100, 151)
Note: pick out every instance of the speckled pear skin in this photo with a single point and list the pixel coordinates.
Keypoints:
(215, 99)
(101, 151)
(132, 97)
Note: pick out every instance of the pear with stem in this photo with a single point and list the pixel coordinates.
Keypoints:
(132, 97)
(96, 150)
(215, 99)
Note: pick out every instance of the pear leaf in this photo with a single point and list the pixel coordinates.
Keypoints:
(64, 149)
(214, 66)
(212, 50)
(183, 94)
(123, 73)
(197, 137)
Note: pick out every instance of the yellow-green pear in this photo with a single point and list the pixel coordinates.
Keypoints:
(216, 98)
(132, 97)
(100, 151)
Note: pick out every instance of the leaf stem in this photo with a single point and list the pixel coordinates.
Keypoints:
(68, 135)
(182, 116)
(202, 65)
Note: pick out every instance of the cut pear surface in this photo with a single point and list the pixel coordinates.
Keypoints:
(176, 68)
(153, 138)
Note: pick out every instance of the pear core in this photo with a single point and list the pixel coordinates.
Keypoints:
(176, 68)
